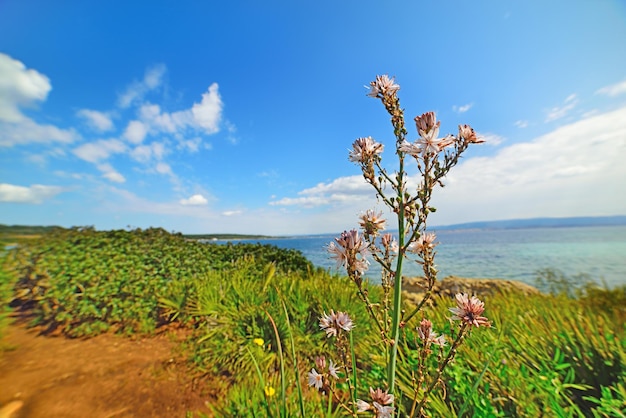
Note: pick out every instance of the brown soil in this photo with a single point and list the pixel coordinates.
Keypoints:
(106, 376)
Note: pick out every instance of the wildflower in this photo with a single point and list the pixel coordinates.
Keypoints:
(383, 86)
(269, 391)
(344, 322)
(469, 136)
(332, 370)
(363, 149)
(320, 362)
(389, 243)
(315, 379)
(380, 398)
(426, 333)
(350, 251)
(423, 243)
(426, 122)
(335, 322)
(362, 406)
(327, 323)
(259, 342)
(383, 411)
(372, 222)
(469, 310)
(428, 143)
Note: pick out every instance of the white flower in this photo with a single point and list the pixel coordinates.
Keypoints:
(315, 379)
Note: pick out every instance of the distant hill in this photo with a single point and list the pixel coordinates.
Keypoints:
(539, 223)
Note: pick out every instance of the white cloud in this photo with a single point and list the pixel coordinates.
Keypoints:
(208, 113)
(204, 116)
(28, 131)
(19, 87)
(232, 212)
(135, 132)
(98, 121)
(145, 153)
(99, 150)
(164, 168)
(109, 173)
(560, 111)
(491, 139)
(192, 145)
(195, 200)
(343, 189)
(135, 93)
(574, 170)
(613, 90)
(36, 193)
(462, 109)
(521, 124)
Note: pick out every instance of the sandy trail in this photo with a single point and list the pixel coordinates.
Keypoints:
(108, 376)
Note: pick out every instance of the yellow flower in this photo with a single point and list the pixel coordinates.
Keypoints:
(259, 342)
(269, 391)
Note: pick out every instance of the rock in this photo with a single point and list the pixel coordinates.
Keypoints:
(414, 288)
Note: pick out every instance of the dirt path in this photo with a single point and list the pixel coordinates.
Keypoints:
(108, 376)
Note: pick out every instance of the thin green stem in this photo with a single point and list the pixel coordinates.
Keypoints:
(283, 386)
(295, 360)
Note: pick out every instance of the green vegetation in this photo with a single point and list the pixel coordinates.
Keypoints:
(560, 354)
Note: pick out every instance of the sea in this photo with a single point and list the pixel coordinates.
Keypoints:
(598, 252)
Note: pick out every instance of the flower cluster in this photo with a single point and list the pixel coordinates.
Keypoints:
(316, 379)
(469, 310)
(383, 86)
(426, 333)
(350, 251)
(379, 406)
(334, 323)
(364, 150)
(428, 143)
(372, 222)
(425, 242)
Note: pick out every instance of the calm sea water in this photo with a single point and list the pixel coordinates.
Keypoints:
(515, 254)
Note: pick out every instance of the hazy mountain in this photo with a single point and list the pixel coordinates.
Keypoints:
(540, 223)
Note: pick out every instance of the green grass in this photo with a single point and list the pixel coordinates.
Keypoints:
(561, 354)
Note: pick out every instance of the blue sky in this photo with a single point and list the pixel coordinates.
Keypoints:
(209, 117)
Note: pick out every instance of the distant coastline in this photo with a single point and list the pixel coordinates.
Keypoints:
(579, 221)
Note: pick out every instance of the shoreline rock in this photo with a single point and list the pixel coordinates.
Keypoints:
(413, 288)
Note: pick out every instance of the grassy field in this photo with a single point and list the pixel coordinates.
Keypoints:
(252, 312)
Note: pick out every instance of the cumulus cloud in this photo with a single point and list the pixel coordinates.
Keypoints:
(35, 193)
(22, 87)
(208, 112)
(195, 200)
(99, 150)
(204, 116)
(574, 170)
(343, 189)
(98, 121)
(135, 93)
(558, 112)
(135, 132)
(19, 87)
(613, 90)
(462, 109)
